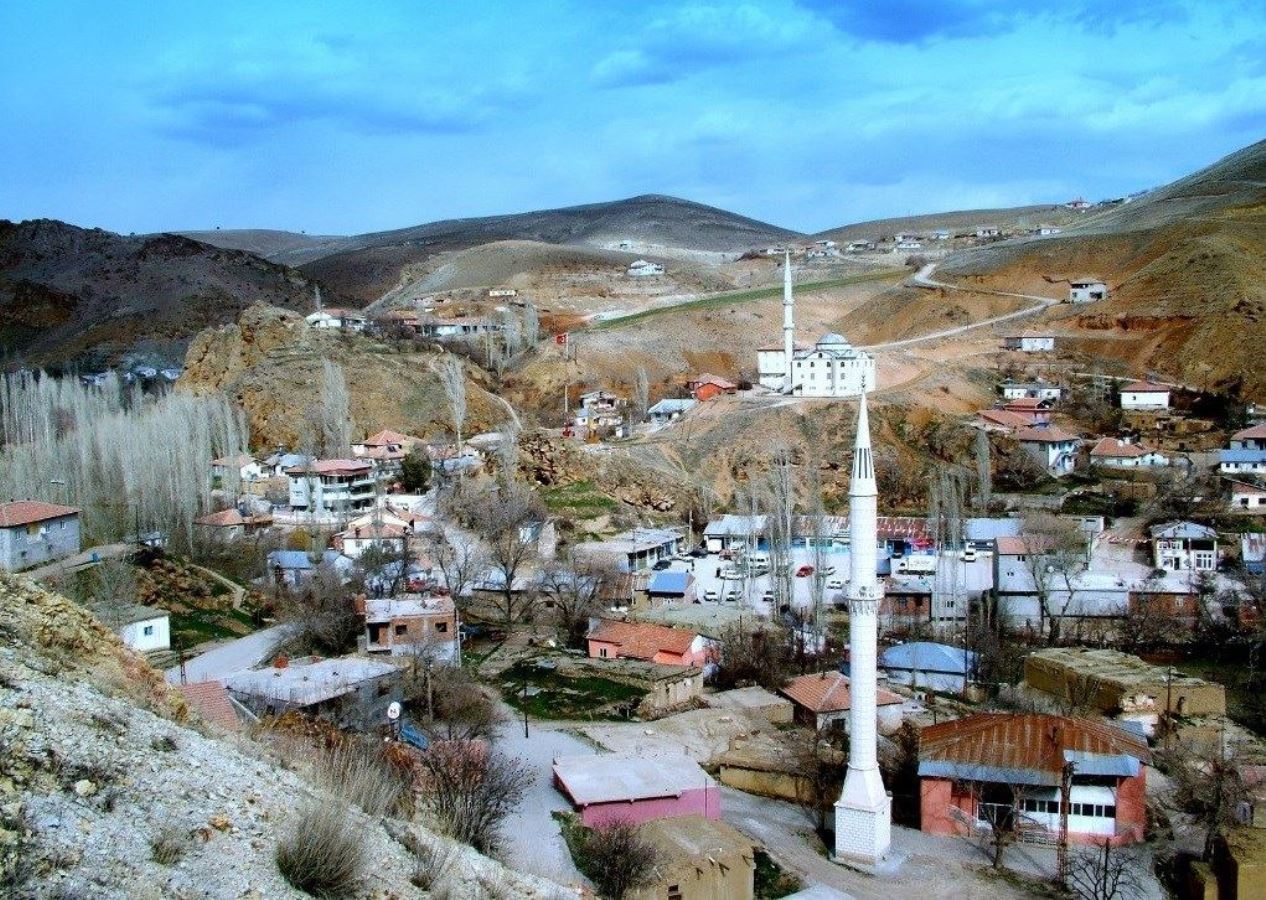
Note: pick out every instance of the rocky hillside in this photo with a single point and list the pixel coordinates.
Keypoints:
(1186, 265)
(90, 296)
(270, 362)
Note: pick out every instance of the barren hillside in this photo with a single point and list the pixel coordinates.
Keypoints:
(956, 221)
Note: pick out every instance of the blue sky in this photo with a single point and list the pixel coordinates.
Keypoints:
(348, 117)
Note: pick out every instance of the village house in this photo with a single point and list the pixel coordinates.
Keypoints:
(670, 586)
(1086, 290)
(941, 234)
(642, 268)
(1004, 421)
(230, 524)
(386, 450)
(1145, 396)
(1053, 448)
(290, 568)
(601, 401)
(1116, 453)
(706, 387)
(609, 639)
(1010, 768)
(859, 246)
(669, 410)
(1253, 553)
(229, 471)
(350, 692)
(144, 629)
(929, 666)
(731, 530)
(1253, 438)
(1184, 546)
(822, 700)
(413, 624)
(456, 327)
(337, 319)
(385, 537)
(907, 245)
(632, 551)
(405, 320)
(1242, 462)
(1029, 343)
(612, 787)
(987, 231)
(275, 464)
(697, 859)
(1047, 230)
(1246, 497)
(213, 704)
(331, 486)
(33, 533)
(1037, 390)
(1079, 205)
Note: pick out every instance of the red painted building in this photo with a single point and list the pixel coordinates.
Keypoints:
(610, 639)
(995, 767)
(705, 387)
(615, 787)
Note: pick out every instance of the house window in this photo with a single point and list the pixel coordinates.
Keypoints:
(674, 892)
(148, 631)
(1204, 559)
(402, 629)
(441, 627)
(602, 652)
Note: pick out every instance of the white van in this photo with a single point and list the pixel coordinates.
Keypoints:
(919, 564)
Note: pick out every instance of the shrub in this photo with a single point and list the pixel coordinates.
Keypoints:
(168, 844)
(618, 858)
(322, 855)
(358, 771)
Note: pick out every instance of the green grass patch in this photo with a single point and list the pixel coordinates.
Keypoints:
(196, 626)
(552, 695)
(580, 497)
(771, 881)
(720, 301)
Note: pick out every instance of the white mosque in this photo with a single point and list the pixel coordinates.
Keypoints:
(830, 368)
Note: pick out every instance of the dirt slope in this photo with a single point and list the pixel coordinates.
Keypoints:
(956, 221)
(88, 295)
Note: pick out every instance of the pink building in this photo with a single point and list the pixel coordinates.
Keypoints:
(609, 639)
(613, 787)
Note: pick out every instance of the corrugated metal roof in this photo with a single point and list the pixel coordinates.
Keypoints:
(929, 657)
(669, 582)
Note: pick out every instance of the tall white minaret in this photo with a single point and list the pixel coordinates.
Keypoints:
(788, 325)
(863, 815)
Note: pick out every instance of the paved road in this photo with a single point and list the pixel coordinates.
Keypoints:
(923, 279)
(220, 662)
(79, 560)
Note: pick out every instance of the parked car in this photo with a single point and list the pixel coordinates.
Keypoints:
(767, 597)
(835, 584)
(731, 574)
(731, 595)
(698, 553)
(804, 571)
(969, 554)
(711, 596)
(662, 565)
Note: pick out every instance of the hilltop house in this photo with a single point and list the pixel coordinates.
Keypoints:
(1053, 448)
(988, 231)
(1115, 453)
(1029, 343)
(331, 486)
(822, 700)
(1086, 290)
(1036, 390)
(351, 692)
(669, 410)
(1145, 396)
(1184, 546)
(141, 628)
(609, 639)
(707, 386)
(1010, 768)
(33, 533)
(1242, 462)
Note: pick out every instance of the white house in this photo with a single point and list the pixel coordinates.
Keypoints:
(1249, 438)
(329, 486)
(1242, 462)
(336, 319)
(830, 368)
(141, 628)
(1047, 230)
(987, 231)
(1247, 497)
(908, 245)
(1029, 343)
(669, 410)
(1053, 448)
(859, 246)
(1116, 453)
(642, 268)
(941, 234)
(1086, 290)
(1145, 396)
(1184, 546)
(458, 327)
(243, 468)
(1037, 390)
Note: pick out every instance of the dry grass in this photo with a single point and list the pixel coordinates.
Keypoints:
(323, 854)
(169, 843)
(358, 772)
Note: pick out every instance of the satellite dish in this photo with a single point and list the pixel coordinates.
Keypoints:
(393, 711)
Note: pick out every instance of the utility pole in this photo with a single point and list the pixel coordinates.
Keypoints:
(1065, 792)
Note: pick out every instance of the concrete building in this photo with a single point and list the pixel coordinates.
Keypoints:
(1086, 290)
(1036, 390)
(863, 814)
(33, 533)
(329, 487)
(669, 410)
(929, 666)
(609, 639)
(411, 625)
(642, 268)
(1184, 546)
(1054, 449)
(1253, 438)
(234, 471)
(1145, 396)
(1115, 453)
(1242, 462)
(141, 628)
(670, 587)
(617, 787)
(349, 692)
(633, 551)
(697, 859)
(754, 701)
(230, 524)
(823, 700)
(1001, 766)
(830, 368)
(1029, 343)
(336, 319)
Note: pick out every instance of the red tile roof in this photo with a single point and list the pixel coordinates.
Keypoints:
(642, 640)
(1018, 546)
(24, 512)
(333, 467)
(1005, 418)
(1051, 435)
(1256, 433)
(1024, 403)
(828, 692)
(211, 701)
(1117, 448)
(708, 378)
(1031, 741)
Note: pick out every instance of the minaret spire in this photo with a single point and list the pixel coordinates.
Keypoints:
(788, 324)
(863, 815)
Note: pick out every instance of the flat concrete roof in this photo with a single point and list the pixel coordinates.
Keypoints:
(746, 698)
(612, 777)
(308, 683)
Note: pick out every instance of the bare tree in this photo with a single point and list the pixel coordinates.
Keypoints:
(1056, 555)
(321, 612)
(820, 764)
(114, 589)
(575, 587)
(641, 393)
(453, 380)
(753, 656)
(472, 789)
(506, 518)
(461, 564)
(452, 701)
(984, 472)
(1105, 872)
(1209, 785)
(619, 858)
(336, 417)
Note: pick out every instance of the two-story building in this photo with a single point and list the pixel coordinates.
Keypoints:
(1053, 448)
(33, 533)
(328, 487)
(411, 624)
(1184, 546)
(1145, 396)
